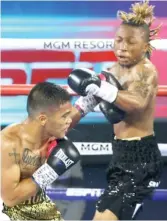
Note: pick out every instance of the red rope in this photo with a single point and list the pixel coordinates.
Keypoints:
(24, 89)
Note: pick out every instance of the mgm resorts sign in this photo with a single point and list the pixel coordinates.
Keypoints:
(92, 148)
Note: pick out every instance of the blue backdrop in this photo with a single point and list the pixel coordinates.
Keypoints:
(85, 9)
(56, 19)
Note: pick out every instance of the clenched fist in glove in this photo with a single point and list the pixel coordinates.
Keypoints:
(62, 156)
(78, 80)
(84, 81)
(110, 111)
(101, 88)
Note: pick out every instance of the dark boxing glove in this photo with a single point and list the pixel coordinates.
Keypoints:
(61, 158)
(111, 112)
(84, 81)
(79, 79)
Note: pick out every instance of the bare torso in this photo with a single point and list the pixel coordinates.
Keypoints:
(138, 123)
(22, 154)
(26, 155)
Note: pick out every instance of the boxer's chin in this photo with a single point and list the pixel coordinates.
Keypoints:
(62, 134)
(126, 63)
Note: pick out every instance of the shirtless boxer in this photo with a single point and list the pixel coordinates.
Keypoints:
(135, 169)
(35, 152)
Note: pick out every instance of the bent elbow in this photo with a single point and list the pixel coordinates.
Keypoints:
(9, 203)
(141, 106)
(137, 106)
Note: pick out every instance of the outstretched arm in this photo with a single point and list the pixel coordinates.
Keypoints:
(82, 106)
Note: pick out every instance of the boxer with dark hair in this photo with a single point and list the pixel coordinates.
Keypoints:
(135, 169)
(35, 153)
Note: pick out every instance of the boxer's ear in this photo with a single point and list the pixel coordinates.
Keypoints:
(42, 119)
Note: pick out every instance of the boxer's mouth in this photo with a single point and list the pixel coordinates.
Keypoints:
(122, 58)
(122, 55)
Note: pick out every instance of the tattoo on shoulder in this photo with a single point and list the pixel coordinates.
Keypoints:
(143, 76)
(15, 155)
(31, 159)
(144, 85)
(28, 158)
(142, 88)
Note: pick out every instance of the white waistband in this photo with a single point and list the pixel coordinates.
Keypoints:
(129, 138)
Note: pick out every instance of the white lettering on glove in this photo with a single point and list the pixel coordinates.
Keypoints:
(63, 157)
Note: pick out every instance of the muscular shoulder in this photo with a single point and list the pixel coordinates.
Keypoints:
(145, 82)
(10, 138)
(148, 66)
(148, 73)
(10, 152)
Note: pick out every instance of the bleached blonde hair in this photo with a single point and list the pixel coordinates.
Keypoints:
(141, 14)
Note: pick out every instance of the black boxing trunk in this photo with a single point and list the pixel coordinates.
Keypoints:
(132, 175)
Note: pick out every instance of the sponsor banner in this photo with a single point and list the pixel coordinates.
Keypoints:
(84, 192)
(66, 44)
(92, 148)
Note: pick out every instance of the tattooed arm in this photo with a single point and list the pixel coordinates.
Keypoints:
(138, 94)
(13, 191)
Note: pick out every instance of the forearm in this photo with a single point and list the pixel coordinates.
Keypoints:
(126, 100)
(82, 107)
(129, 101)
(23, 191)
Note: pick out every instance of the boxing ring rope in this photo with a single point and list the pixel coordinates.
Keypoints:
(77, 193)
(93, 194)
(22, 89)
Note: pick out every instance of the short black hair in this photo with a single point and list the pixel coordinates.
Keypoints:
(44, 95)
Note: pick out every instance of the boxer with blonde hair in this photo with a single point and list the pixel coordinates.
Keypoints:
(129, 87)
